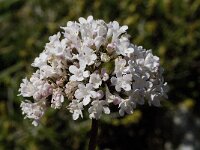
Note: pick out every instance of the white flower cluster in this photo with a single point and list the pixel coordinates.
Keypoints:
(92, 65)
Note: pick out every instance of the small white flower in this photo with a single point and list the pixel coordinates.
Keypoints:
(151, 62)
(85, 93)
(95, 80)
(41, 60)
(76, 108)
(98, 106)
(86, 56)
(122, 81)
(78, 73)
(155, 93)
(127, 106)
(110, 98)
(54, 46)
(35, 76)
(98, 41)
(47, 71)
(139, 87)
(57, 47)
(71, 35)
(115, 30)
(57, 98)
(26, 88)
(44, 89)
(33, 110)
(36, 87)
(122, 46)
(120, 65)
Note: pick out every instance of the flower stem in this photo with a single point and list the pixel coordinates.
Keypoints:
(93, 135)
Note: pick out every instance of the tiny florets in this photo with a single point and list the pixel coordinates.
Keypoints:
(92, 65)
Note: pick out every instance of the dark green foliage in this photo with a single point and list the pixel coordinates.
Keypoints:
(171, 28)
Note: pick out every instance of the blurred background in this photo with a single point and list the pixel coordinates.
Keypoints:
(171, 28)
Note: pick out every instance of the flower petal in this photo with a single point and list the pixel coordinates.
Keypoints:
(73, 69)
(86, 100)
(106, 110)
(73, 78)
(86, 74)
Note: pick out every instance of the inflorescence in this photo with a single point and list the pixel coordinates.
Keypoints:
(92, 65)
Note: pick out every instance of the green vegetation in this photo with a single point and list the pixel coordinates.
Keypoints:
(171, 28)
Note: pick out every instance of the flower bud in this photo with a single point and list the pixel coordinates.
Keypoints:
(105, 57)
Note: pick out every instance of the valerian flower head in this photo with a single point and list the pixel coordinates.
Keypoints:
(92, 65)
